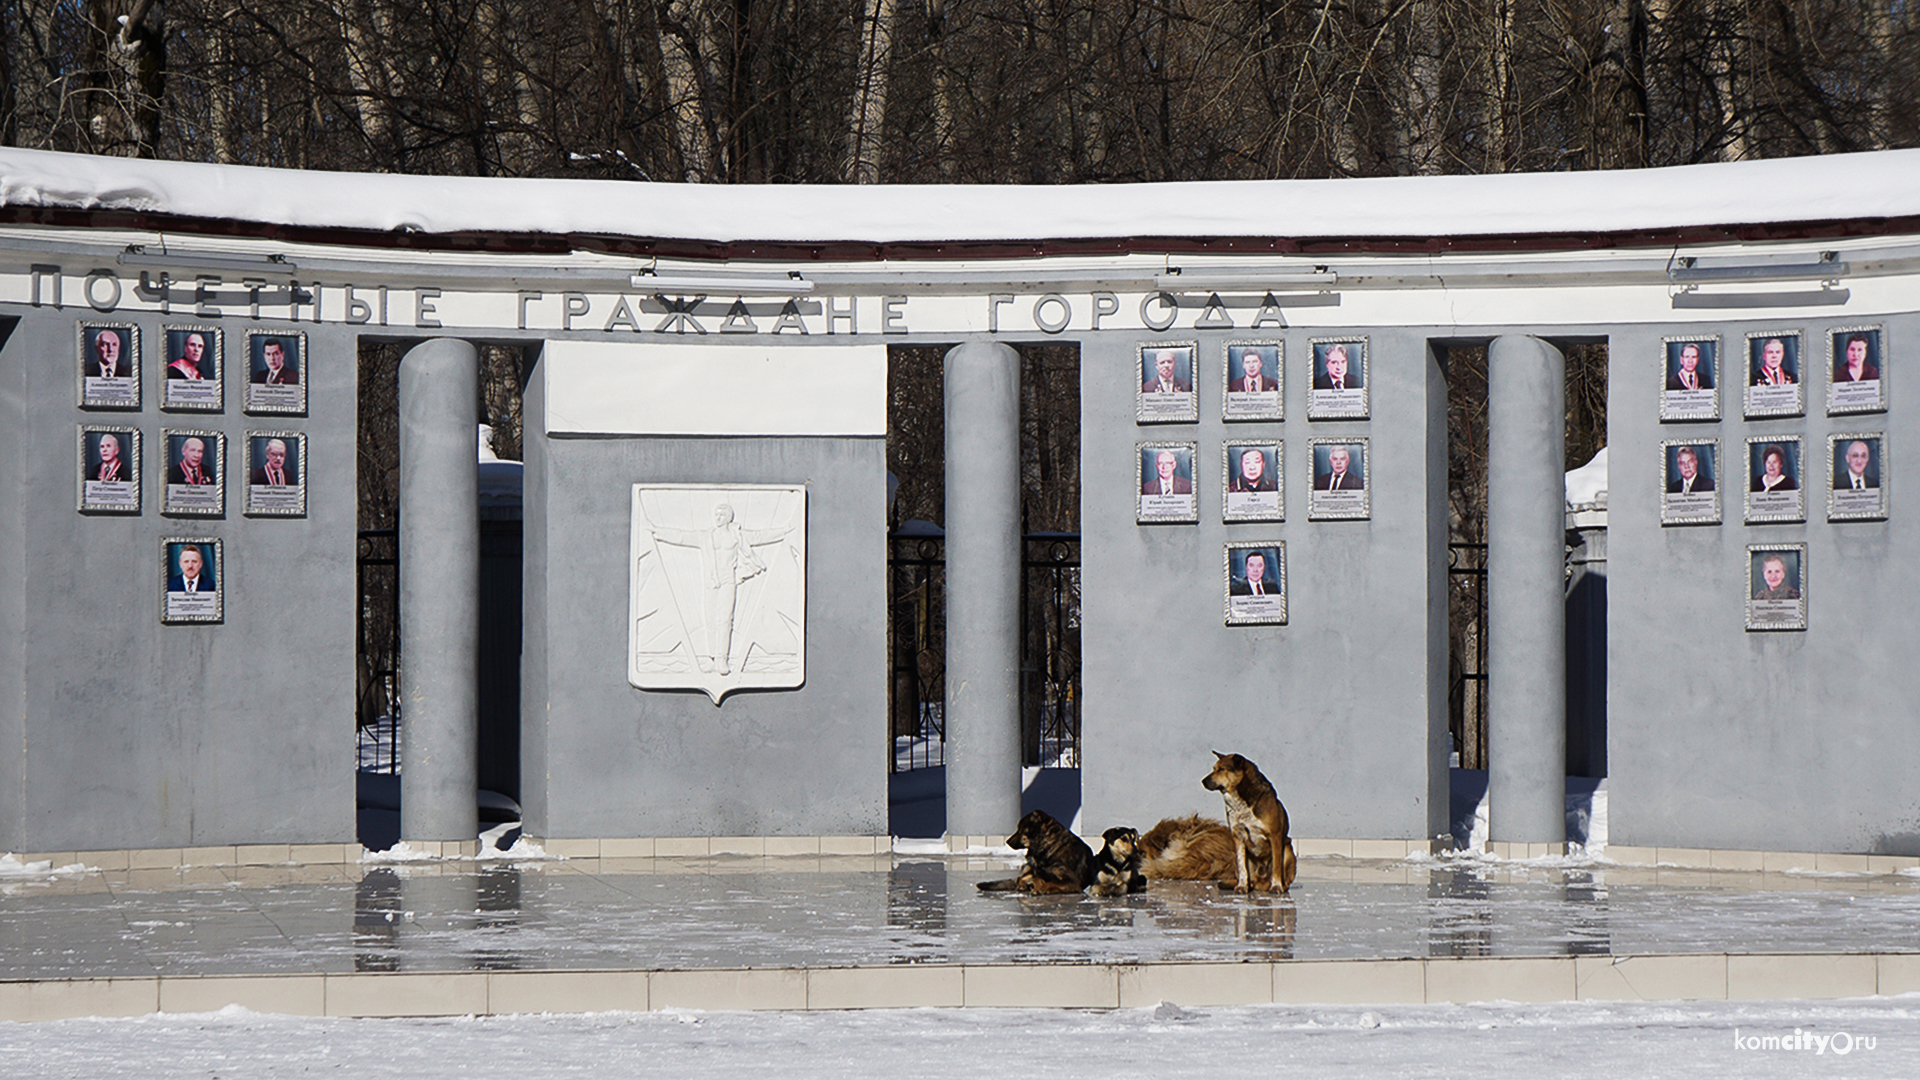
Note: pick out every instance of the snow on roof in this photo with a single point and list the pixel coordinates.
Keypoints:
(1834, 187)
(1587, 485)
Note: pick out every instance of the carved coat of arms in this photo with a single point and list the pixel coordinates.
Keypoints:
(718, 598)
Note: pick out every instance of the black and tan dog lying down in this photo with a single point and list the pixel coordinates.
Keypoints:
(1252, 851)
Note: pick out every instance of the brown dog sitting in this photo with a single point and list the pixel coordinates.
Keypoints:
(1257, 820)
(1057, 860)
(1116, 870)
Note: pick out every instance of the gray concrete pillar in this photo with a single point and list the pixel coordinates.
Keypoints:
(1526, 591)
(439, 591)
(983, 589)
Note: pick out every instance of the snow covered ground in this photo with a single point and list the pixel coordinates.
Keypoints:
(1166, 1042)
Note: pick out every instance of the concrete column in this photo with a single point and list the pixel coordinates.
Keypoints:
(983, 589)
(439, 591)
(1526, 591)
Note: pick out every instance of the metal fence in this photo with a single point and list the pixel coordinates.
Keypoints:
(1049, 650)
(1467, 652)
(377, 565)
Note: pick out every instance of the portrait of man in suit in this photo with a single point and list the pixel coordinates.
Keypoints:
(110, 466)
(1255, 580)
(190, 464)
(1162, 373)
(1689, 478)
(1165, 479)
(273, 469)
(1251, 376)
(107, 359)
(1340, 474)
(1772, 368)
(277, 371)
(1338, 369)
(192, 361)
(1252, 473)
(192, 574)
(1856, 472)
(1689, 374)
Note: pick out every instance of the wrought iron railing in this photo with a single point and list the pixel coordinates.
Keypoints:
(1467, 652)
(377, 565)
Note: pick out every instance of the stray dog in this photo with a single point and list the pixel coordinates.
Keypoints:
(1057, 860)
(1116, 870)
(1190, 848)
(1257, 820)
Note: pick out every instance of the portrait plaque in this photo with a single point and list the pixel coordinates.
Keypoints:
(1689, 482)
(1251, 477)
(191, 573)
(1339, 479)
(1253, 380)
(717, 596)
(110, 368)
(276, 373)
(1340, 371)
(276, 474)
(194, 362)
(1166, 372)
(1692, 379)
(1774, 479)
(110, 470)
(1857, 370)
(1165, 473)
(1777, 586)
(1255, 582)
(1857, 466)
(196, 480)
(1775, 377)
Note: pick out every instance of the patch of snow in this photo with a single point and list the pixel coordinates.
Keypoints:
(1587, 485)
(12, 867)
(1881, 184)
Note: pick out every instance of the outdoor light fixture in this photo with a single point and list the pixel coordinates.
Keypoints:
(1684, 271)
(791, 285)
(138, 257)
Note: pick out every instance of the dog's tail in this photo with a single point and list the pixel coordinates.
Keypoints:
(1289, 864)
(1008, 885)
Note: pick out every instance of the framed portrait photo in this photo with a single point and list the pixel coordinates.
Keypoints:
(1341, 375)
(1339, 483)
(191, 572)
(109, 364)
(1857, 465)
(1689, 482)
(276, 474)
(1777, 586)
(1254, 380)
(1166, 372)
(1254, 578)
(194, 365)
(1251, 475)
(1165, 471)
(1774, 479)
(196, 473)
(1857, 360)
(1692, 379)
(109, 470)
(1775, 385)
(276, 373)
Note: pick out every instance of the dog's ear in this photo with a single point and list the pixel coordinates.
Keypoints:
(1219, 755)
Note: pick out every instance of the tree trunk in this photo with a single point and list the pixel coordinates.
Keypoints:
(870, 93)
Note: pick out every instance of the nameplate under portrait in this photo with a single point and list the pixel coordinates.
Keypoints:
(1168, 481)
(109, 470)
(1692, 382)
(1857, 464)
(191, 574)
(196, 473)
(1339, 480)
(194, 363)
(1251, 475)
(1857, 366)
(1253, 380)
(1340, 372)
(276, 474)
(109, 363)
(1689, 482)
(717, 596)
(1777, 586)
(1166, 372)
(1255, 583)
(276, 373)
(1774, 374)
(1774, 480)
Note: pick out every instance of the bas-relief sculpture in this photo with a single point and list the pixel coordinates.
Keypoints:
(719, 588)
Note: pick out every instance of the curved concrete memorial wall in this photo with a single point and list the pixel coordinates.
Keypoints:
(1264, 510)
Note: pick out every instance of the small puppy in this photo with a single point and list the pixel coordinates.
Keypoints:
(1057, 860)
(1116, 870)
(1257, 820)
